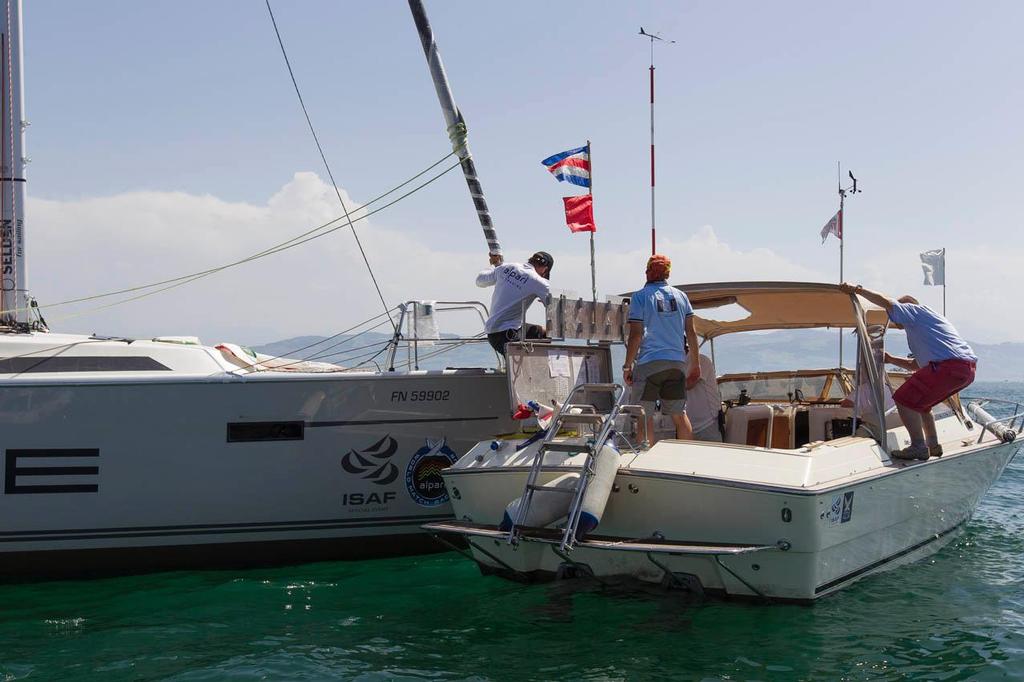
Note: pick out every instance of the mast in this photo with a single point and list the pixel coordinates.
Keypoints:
(593, 266)
(13, 274)
(455, 123)
(652, 37)
(843, 191)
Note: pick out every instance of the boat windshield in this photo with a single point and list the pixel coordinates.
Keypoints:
(826, 385)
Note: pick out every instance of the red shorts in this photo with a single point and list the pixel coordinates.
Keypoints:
(933, 383)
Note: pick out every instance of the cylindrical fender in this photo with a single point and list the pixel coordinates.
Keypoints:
(595, 498)
(546, 507)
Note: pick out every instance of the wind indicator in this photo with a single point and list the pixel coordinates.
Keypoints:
(652, 37)
(843, 191)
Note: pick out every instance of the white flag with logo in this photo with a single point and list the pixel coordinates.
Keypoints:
(834, 226)
(934, 265)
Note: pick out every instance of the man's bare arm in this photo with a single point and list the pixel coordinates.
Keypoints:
(906, 363)
(636, 335)
(881, 300)
(693, 371)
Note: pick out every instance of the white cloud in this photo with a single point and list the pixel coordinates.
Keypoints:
(83, 247)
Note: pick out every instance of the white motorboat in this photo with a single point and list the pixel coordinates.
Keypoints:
(801, 499)
(124, 455)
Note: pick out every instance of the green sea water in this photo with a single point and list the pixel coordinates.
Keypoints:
(957, 615)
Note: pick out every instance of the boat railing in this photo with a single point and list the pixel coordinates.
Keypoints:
(417, 328)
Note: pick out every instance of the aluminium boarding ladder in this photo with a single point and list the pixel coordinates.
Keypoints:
(580, 415)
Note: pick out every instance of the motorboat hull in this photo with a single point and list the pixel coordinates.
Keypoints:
(816, 541)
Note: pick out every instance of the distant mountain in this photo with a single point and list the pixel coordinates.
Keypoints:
(786, 349)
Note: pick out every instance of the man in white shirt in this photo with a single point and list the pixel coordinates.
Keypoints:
(515, 286)
(704, 402)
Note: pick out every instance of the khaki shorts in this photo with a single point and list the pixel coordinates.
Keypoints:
(663, 380)
(709, 433)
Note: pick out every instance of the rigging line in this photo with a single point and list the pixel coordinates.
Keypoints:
(371, 359)
(188, 279)
(343, 353)
(323, 157)
(333, 336)
(267, 251)
(313, 356)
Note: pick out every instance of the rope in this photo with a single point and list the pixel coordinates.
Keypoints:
(323, 157)
(308, 236)
(268, 251)
(333, 336)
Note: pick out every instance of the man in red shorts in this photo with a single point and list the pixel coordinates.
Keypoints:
(943, 364)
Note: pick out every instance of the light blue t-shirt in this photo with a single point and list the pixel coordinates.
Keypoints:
(930, 336)
(663, 311)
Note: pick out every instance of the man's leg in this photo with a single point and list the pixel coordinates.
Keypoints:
(912, 420)
(535, 331)
(931, 437)
(684, 430)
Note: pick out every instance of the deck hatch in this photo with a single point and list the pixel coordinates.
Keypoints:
(254, 432)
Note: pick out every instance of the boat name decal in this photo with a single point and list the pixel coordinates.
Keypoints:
(423, 476)
(420, 396)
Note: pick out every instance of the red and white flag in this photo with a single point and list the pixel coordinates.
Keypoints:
(834, 226)
(579, 213)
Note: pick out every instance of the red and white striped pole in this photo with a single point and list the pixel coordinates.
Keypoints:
(653, 249)
(652, 37)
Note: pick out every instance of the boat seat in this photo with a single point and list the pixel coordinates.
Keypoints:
(748, 425)
(819, 418)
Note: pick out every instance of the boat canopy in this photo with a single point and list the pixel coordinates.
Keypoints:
(773, 305)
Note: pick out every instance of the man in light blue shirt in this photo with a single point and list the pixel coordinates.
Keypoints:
(943, 364)
(660, 331)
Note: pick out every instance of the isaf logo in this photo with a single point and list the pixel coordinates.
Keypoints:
(372, 464)
(423, 476)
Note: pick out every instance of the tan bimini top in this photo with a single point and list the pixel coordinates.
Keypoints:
(774, 305)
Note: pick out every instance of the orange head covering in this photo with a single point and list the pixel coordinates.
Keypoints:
(658, 268)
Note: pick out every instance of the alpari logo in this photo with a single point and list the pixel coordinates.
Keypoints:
(372, 464)
(423, 477)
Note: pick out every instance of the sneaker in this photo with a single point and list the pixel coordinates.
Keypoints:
(935, 450)
(912, 452)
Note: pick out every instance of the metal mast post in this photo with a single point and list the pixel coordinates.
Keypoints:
(590, 191)
(456, 124)
(13, 271)
(852, 189)
(652, 37)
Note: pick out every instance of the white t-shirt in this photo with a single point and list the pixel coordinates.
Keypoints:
(704, 400)
(513, 285)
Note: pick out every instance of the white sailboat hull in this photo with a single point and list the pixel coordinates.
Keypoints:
(121, 473)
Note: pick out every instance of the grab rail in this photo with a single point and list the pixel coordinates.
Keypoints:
(408, 316)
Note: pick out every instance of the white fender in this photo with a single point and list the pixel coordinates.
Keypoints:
(595, 498)
(546, 507)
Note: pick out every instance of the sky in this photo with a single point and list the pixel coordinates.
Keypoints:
(166, 138)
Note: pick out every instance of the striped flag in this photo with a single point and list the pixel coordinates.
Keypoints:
(571, 166)
(834, 226)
